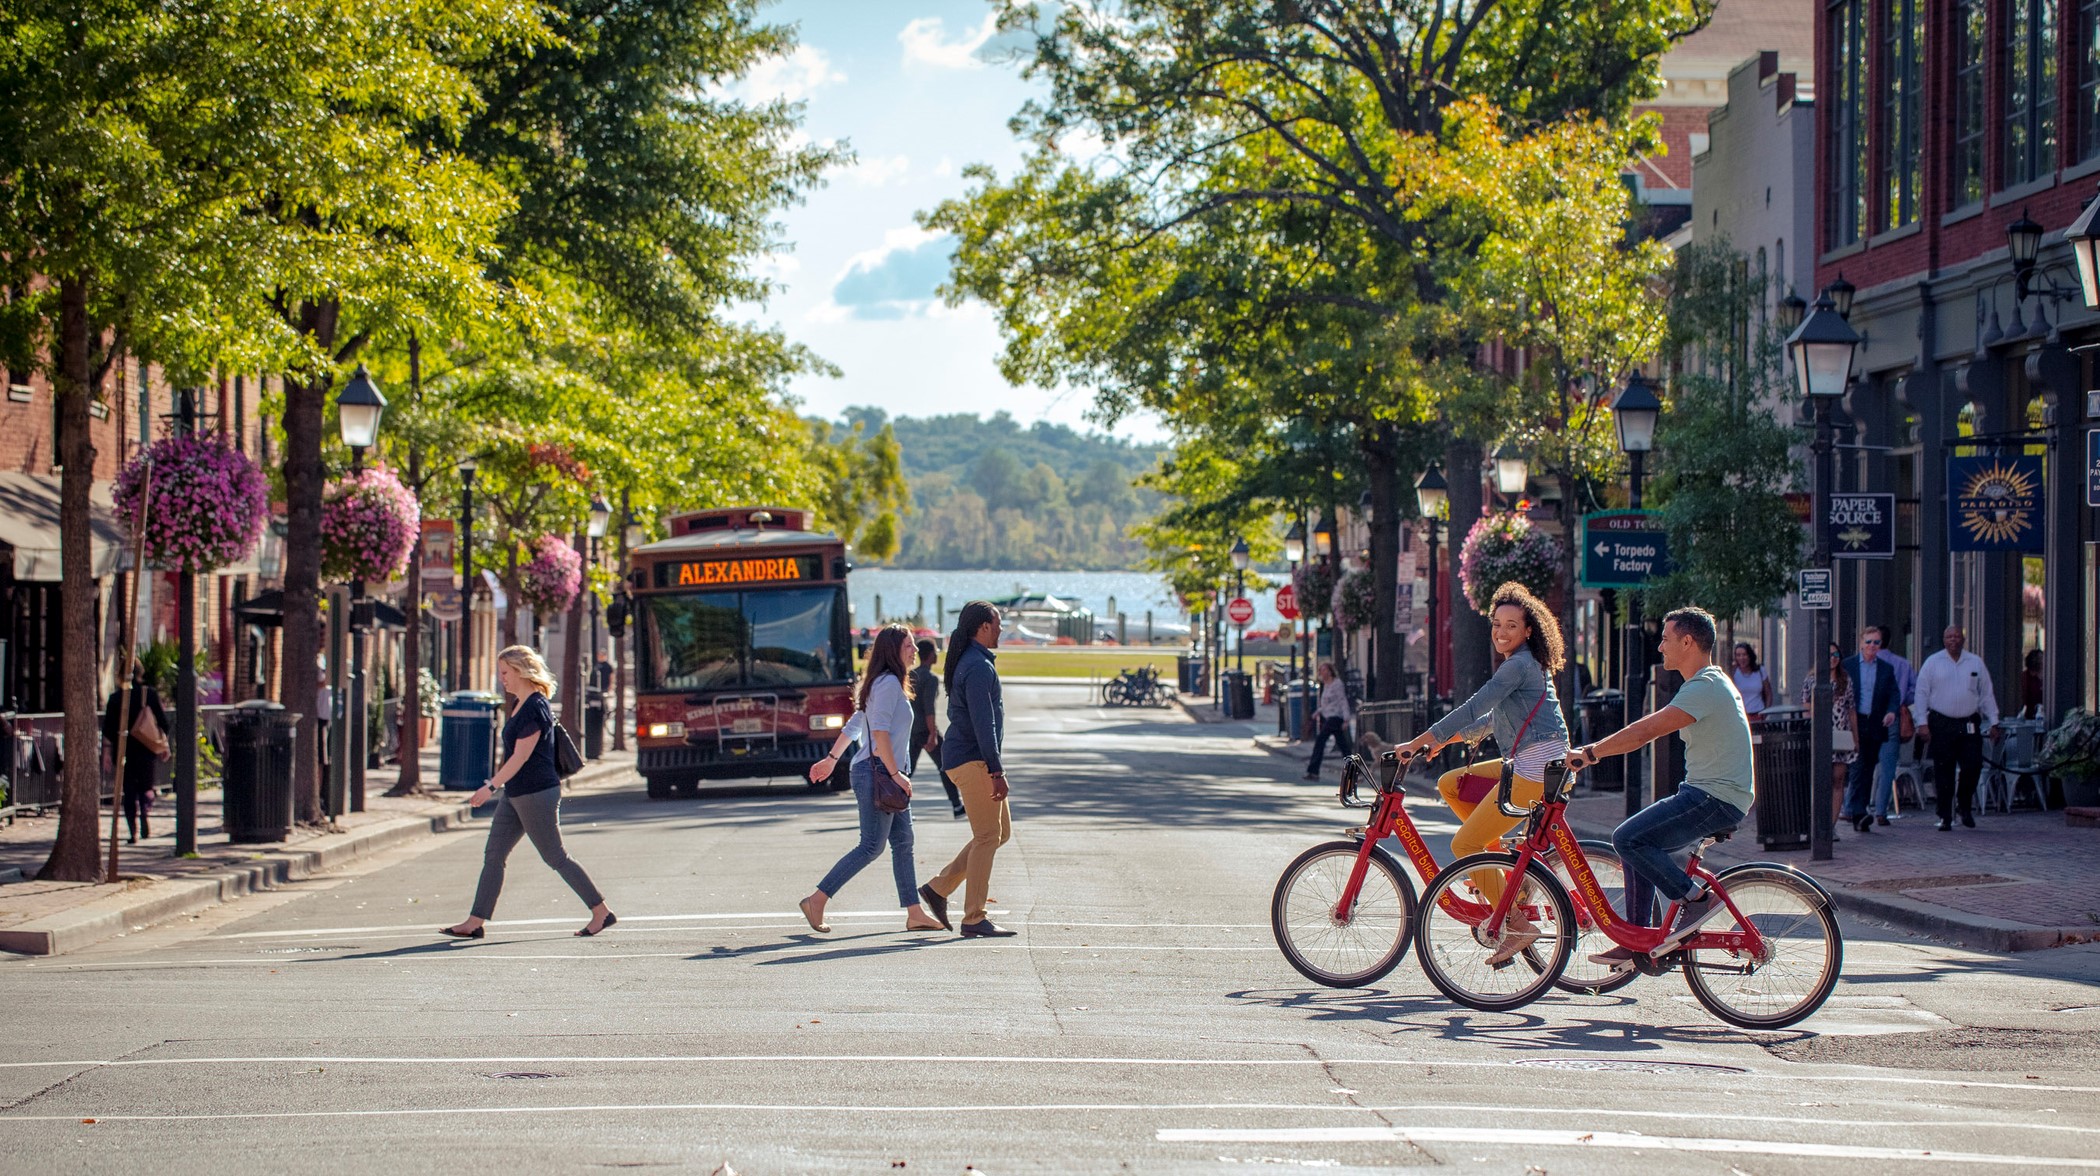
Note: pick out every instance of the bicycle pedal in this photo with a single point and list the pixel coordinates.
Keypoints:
(1651, 966)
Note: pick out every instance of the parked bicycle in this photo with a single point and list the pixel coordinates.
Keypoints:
(1343, 912)
(1768, 961)
(1136, 687)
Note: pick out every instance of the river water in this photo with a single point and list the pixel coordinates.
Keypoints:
(902, 590)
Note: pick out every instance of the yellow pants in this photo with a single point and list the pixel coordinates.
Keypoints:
(990, 827)
(1481, 823)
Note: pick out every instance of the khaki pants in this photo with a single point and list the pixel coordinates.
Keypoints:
(990, 826)
(1483, 823)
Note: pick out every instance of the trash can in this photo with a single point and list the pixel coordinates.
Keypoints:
(467, 739)
(257, 780)
(594, 724)
(1780, 759)
(1604, 712)
(1297, 704)
(1188, 673)
(1239, 694)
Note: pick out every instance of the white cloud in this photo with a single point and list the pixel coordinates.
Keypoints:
(793, 78)
(925, 44)
(877, 172)
(895, 280)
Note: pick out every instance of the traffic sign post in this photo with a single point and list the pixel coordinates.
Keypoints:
(1623, 549)
(1240, 611)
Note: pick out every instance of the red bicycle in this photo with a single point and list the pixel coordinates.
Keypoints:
(1343, 912)
(1768, 960)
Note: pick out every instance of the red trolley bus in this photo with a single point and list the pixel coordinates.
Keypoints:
(744, 652)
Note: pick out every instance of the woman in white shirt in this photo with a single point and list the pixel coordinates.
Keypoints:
(1751, 681)
(882, 724)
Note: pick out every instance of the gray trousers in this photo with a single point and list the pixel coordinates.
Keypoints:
(536, 815)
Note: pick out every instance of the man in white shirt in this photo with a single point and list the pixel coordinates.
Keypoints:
(1956, 705)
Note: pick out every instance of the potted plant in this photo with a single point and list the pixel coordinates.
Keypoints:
(429, 699)
(2071, 753)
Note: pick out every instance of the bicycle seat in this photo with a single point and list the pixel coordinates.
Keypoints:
(1720, 835)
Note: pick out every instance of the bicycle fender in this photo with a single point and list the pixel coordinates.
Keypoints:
(1829, 900)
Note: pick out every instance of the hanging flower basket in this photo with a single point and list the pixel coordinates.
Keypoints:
(1506, 547)
(207, 502)
(369, 523)
(550, 580)
(1314, 579)
(1356, 600)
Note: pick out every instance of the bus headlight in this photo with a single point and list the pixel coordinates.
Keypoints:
(666, 730)
(826, 722)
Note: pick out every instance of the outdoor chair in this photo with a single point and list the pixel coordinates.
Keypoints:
(2010, 765)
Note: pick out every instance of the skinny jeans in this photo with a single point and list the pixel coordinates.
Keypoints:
(876, 827)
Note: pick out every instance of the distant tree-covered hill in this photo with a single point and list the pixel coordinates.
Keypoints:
(993, 493)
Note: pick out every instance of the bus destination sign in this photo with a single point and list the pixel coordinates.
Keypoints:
(719, 573)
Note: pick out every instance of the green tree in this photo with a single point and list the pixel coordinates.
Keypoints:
(860, 485)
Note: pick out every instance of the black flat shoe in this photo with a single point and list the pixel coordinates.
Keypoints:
(458, 934)
(586, 932)
(1946, 826)
(1864, 824)
(936, 905)
(986, 929)
(1967, 821)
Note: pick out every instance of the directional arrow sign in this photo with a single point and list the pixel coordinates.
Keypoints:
(1623, 549)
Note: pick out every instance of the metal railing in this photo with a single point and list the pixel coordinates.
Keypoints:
(37, 757)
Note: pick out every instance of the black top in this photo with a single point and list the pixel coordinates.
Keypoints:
(537, 774)
(138, 758)
(925, 691)
(976, 713)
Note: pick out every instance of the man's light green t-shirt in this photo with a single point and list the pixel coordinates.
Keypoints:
(1717, 744)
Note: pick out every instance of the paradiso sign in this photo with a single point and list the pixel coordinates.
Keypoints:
(1994, 503)
(729, 573)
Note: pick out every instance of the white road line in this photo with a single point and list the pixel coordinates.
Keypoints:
(496, 923)
(1604, 1139)
(997, 1060)
(486, 953)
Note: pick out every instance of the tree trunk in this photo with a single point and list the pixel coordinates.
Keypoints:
(572, 653)
(1388, 643)
(410, 781)
(1470, 648)
(304, 402)
(75, 853)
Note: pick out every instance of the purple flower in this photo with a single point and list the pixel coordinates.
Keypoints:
(369, 525)
(207, 503)
(1505, 547)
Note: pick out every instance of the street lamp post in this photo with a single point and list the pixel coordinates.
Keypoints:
(463, 673)
(185, 732)
(1324, 549)
(1635, 413)
(1822, 348)
(1294, 554)
(1432, 494)
(1512, 471)
(600, 516)
(1240, 559)
(359, 407)
(631, 536)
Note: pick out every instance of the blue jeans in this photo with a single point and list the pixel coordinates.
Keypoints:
(1863, 774)
(1646, 840)
(876, 827)
(1885, 775)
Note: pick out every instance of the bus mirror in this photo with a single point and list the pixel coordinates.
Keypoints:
(840, 566)
(616, 616)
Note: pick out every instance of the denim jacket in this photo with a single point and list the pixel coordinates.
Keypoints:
(1504, 701)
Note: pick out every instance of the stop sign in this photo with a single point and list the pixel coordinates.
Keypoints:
(1240, 611)
(1287, 602)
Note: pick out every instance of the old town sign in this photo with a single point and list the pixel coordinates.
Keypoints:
(1623, 549)
(1862, 526)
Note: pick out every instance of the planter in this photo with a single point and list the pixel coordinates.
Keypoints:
(2081, 791)
(428, 729)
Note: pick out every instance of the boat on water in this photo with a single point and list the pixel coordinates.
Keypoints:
(1039, 618)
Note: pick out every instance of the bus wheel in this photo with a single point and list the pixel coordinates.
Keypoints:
(659, 787)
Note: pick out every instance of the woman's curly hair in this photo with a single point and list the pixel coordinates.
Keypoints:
(1545, 641)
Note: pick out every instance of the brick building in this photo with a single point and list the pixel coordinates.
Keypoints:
(1939, 124)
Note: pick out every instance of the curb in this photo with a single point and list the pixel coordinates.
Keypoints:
(1208, 715)
(172, 898)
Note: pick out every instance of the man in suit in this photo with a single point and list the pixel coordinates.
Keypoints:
(1879, 696)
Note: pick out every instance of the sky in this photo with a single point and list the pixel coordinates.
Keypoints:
(911, 87)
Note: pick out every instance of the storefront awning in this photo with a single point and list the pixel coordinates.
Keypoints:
(29, 526)
(267, 608)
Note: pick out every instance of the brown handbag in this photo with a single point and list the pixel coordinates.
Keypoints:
(146, 729)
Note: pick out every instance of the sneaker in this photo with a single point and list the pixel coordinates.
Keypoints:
(1691, 914)
(1618, 959)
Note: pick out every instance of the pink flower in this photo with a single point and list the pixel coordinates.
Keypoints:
(550, 580)
(207, 503)
(369, 525)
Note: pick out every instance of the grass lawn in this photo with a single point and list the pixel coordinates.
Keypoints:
(1059, 662)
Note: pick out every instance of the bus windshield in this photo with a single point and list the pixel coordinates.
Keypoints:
(738, 640)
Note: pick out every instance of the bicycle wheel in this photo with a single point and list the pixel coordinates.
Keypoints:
(1336, 952)
(1582, 976)
(1804, 952)
(1454, 950)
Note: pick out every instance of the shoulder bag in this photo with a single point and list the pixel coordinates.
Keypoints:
(567, 760)
(146, 729)
(890, 796)
(1474, 787)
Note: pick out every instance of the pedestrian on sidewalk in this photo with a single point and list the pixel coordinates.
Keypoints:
(1877, 696)
(1906, 730)
(1717, 791)
(1519, 705)
(1751, 681)
(530, 800)
(881, 723)
(925, 721)
(1956, 705)
(141, 759)
(1844, 724)
(1332, 716)
(970, 753)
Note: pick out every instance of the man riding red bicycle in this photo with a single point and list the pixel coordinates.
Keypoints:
(1718, 786)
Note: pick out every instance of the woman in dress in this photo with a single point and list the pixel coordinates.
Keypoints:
(529, 804)
(1844, 723)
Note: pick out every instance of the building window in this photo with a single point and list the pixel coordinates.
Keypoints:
(1967, 157)
(2030, 90)
(1902, 81)
(2089, 79)
(1848, 122)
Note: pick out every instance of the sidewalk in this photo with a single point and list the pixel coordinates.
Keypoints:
(2017, 882)
(48, 918)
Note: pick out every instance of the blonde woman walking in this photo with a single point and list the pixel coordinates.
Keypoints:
(530, 801)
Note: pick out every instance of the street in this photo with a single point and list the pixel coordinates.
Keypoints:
(1143, 1020)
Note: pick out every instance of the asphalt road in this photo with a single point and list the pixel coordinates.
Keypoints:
(1142, 1021)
